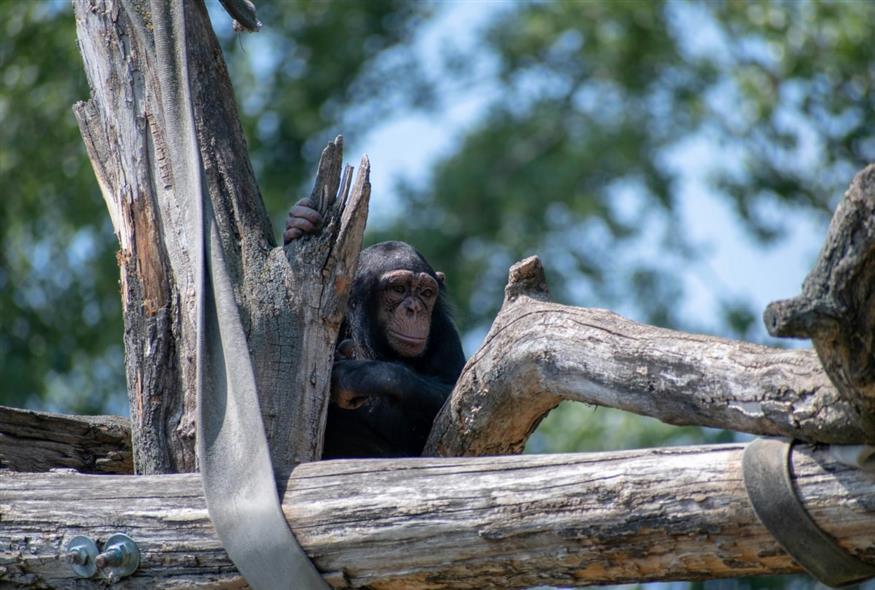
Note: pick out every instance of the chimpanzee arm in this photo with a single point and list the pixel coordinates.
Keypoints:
(420, 396)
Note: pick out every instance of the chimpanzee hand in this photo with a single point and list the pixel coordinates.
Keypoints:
(345, 350)
(353, 382)
(343, 393)
(303, 219)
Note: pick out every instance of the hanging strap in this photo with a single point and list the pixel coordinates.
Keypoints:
(235, 465)
(769, 484)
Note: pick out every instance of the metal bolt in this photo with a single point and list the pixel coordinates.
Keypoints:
(113, 556)
(120, 557)
(77, 556)
(81, 553)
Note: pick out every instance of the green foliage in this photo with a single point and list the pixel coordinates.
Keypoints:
(574, 426)
(803, 74)
(590, 104)
(594, 102)
(60, 322)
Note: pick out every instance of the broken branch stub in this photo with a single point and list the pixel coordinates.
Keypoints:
(836, 308)
(321, 268)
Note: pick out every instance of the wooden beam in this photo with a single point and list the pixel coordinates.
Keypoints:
(506, 522)
(39, 441)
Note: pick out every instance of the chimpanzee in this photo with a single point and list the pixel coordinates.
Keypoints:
(398, 354)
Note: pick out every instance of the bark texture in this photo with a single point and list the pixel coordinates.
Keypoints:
(467, 523)
(836, 308)
(38, 441)
(291, 299)
(539, 353)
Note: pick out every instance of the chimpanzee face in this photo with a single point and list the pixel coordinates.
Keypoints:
(405, 302)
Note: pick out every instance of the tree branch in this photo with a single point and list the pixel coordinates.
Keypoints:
(506, 522)
(539, 353)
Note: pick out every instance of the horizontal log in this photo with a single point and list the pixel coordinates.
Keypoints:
(39, 441)
(506, 522)
(538, 353)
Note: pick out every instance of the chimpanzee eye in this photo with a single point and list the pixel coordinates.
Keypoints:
(427, 293)
(398, 289)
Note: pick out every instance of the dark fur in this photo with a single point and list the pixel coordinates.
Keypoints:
(404, 394)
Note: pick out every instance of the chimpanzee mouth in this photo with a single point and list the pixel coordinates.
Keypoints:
(407, 339)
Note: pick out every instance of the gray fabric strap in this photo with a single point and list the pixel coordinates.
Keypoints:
(235, 466)
(766, 468)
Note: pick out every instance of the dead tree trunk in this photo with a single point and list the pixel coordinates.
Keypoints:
(290, 318)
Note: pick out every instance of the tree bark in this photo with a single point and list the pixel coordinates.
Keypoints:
(39, 441)
(290, 317)
(836, 308)
(509, 522)
(539, 353)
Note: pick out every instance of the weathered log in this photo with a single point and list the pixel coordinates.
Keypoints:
(539, 353)
(507, 522)
(836, 308)
(39, 441)
(291, 299)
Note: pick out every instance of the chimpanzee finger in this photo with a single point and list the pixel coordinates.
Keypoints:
(305, 225)
(291, 233)
(304, 210)
(345, 350)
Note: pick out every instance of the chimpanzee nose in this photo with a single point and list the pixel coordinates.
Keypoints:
(410, 306)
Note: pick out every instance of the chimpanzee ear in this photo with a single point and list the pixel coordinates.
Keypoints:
(441, 277)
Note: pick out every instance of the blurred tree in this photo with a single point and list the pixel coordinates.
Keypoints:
(60, 324)
(594, 103)
(317, 68)
(60, 321)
